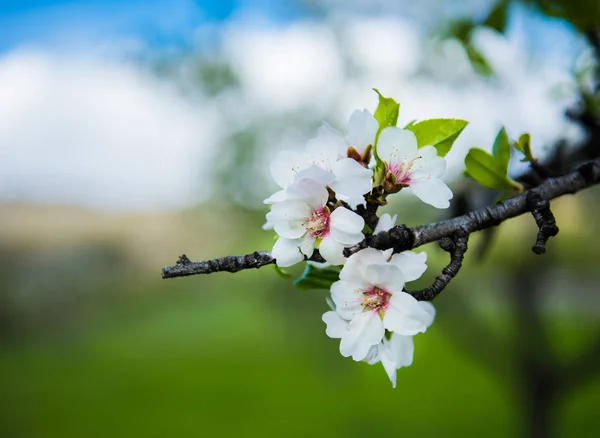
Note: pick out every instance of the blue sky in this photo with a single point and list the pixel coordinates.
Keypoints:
(157, 22)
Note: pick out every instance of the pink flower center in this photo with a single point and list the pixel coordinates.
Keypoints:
(402, 170)
(376, 300)
(317, 224)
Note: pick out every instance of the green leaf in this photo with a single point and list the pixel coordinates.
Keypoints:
(411, 123)
(387, 111)
(315, 277)
(281, 272)
(440, 133)
(478, 61)
(487, 171)
(497, 17)
(501, 150)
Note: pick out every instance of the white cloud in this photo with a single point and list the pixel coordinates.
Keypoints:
(98, 132)
(284, 68)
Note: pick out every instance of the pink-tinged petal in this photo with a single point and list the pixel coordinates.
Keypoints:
(396, 144)
(412, 264)
(405, 316)
(351, 179)
(385, 276)
(286, 252)
(346, 226)
(354, 269)
(286, 165)
(347, 299)
(332, 251)
(276, 197)
(433, 192)
(307, 245)
(395, 353)
(365, 330)
(386, 223)
(336, 326)
(362, 129)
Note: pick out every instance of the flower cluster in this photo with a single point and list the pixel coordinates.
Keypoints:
(322, 189)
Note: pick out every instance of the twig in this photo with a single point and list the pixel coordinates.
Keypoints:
(457, 247)
(540, 209)
(402, 238)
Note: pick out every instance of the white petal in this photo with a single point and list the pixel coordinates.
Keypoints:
(412, 264)
(385, 276)
(326, 148)
(336, 326)
(395, 144)
(354, 201)
(365, 330)
(288, 217)
(386, 223)
(286, 165)
(307, 245)
(362, 129)
(314, 172)
(276, 197)
(406, 316)
(433, 192)
(351, 179)
(354, 269)
(428, 307)
(425, 168)
(428, 153)
(373, 355)
(347, 299)
(332, 251)
(286, 252)
(346, 226)
(308, 191)
(395, 353)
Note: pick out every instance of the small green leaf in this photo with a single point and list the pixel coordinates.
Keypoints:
(487, 171)
(440, 133)
(523, 145)
(387, 111)
(501, 150)
(315, 277)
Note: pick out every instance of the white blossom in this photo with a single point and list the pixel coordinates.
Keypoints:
(370, 296)
(304, 222)
(328, 150)
(419, 169)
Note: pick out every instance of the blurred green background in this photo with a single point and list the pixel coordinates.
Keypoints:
(93, 343)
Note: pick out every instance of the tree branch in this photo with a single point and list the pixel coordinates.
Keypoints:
(402, 238)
